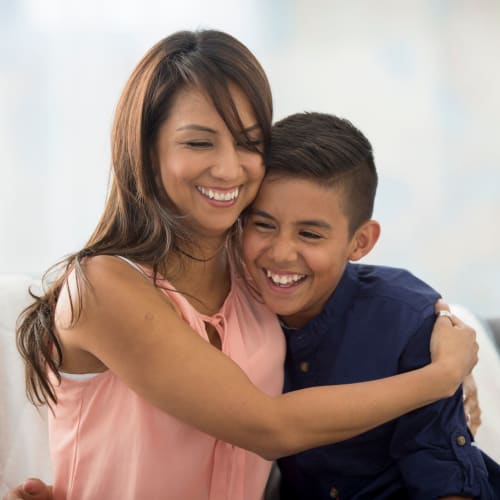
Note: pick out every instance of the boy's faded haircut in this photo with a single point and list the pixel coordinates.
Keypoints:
(331, 151)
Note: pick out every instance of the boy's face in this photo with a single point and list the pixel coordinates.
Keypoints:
(296, 246)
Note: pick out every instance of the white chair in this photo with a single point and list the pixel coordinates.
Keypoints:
(23, 428)
(487, 377)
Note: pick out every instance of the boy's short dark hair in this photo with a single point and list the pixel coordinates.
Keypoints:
(330, 150)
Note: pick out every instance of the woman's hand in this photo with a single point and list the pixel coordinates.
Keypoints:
(31, 489)
(453, 346)
(471, 404)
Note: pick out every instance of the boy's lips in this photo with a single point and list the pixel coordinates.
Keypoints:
(283, 279)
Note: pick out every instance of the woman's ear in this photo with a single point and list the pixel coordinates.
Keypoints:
(364, 239)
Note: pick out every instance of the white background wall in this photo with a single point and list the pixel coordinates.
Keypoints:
(419, 77)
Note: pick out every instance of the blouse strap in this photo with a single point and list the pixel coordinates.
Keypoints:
(134, 265)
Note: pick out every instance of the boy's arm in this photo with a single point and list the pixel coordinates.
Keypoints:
(433, 446)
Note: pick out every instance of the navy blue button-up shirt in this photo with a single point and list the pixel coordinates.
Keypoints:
(378, 323)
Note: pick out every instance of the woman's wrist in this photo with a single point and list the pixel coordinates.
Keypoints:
(444, 379)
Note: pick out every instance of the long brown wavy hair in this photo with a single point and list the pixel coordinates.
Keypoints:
(139, 221)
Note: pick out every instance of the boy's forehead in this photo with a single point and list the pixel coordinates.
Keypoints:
(288, 194)
(273, 181)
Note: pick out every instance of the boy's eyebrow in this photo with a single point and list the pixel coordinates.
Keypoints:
(313, 222)
(260, 213)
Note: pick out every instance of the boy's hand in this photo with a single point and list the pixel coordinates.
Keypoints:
(471, 404)
(453, 345)
(31, 489)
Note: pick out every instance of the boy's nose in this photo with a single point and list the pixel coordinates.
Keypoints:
(283, 250)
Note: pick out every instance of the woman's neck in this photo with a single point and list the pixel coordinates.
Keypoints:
(199, 255)
(205, 281)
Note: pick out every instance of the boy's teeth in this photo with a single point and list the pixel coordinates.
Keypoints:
(284, 279)
(219, 196)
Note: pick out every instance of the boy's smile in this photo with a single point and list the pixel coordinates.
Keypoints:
(296, 245)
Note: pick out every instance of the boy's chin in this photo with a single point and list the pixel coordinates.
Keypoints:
(286, 316)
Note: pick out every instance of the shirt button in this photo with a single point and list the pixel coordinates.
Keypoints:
(334, 493)
(461, 440)
(304, 368)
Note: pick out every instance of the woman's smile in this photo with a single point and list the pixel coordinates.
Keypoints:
(208, 175)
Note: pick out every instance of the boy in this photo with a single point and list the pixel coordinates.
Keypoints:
(311, 216)
(347, 322)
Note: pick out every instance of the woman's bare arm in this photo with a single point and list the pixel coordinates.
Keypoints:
(133, 329)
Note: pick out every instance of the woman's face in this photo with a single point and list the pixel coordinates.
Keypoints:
(209, 176)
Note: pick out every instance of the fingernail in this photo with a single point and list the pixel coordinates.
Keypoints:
(29, 487)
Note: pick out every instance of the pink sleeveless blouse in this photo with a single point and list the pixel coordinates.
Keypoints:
(109, 443)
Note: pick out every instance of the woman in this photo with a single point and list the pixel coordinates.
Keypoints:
(162, 369)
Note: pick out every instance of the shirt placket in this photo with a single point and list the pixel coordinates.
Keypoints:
(303, 355)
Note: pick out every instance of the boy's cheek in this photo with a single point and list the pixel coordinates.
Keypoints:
(245, 244)
(251, 250)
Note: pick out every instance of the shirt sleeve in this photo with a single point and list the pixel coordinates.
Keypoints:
(432, 446)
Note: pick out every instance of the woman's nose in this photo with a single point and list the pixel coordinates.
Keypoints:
(227, 166)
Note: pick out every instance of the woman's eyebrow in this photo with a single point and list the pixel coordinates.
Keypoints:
(252, 127)
(200, 128)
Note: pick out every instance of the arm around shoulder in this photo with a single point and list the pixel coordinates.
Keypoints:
(132, 329)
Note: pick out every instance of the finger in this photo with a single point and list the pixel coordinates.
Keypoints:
(35, 489)
(441, 305)
(460, 324)
(443, 313)
(470, 389)
(442, 310)
(471, 410)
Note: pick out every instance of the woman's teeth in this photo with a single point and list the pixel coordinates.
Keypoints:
(219, 195)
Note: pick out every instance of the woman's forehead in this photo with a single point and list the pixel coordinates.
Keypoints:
(230, 104)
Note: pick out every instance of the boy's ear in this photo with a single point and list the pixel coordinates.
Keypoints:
(364, 239)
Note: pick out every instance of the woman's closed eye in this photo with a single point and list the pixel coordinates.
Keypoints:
(198, 144)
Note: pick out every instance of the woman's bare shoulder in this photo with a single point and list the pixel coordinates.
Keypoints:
(106, 289)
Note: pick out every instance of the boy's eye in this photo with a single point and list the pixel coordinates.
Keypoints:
(263, 225)
(310, 235)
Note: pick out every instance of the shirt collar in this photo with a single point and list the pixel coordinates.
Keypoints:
(337, 304)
